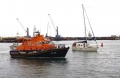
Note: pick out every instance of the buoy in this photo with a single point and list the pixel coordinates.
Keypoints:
(101, 44)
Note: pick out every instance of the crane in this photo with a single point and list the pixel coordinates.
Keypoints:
(56, 29)
(26, 31)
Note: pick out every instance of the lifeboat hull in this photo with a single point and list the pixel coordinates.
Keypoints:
(59, 52)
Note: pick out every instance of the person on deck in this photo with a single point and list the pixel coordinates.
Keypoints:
(74, 44)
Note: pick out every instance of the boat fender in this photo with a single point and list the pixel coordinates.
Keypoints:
(101, 44)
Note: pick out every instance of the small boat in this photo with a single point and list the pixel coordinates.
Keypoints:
(83, 45)
(37, 46)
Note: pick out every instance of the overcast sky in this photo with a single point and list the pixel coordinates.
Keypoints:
(104, 16)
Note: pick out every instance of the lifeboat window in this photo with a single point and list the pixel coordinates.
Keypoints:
(29, 44)
(36, 42)
(39, 42)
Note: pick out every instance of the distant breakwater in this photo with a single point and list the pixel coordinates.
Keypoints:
(14, 39)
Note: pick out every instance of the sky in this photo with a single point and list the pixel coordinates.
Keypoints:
(104, 16)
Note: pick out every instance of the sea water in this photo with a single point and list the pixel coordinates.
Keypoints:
(102, 64)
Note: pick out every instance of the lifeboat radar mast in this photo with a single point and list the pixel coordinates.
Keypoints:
(35, 31)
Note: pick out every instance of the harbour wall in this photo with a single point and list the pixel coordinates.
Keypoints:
(15, 39)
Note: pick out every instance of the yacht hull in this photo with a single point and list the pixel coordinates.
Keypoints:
(85, 49)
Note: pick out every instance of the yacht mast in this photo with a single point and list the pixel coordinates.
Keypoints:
(84, 21)
(90, 26)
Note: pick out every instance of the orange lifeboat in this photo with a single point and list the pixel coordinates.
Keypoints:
(37, 46)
